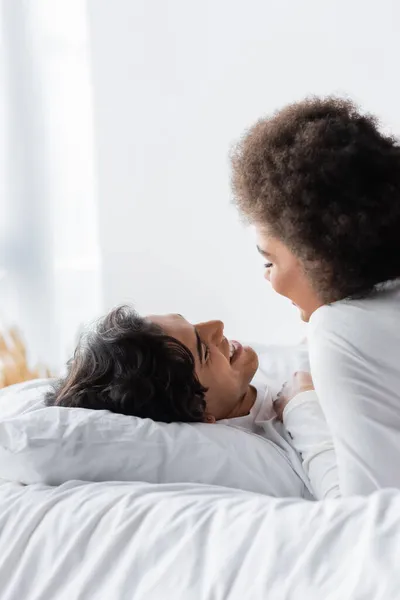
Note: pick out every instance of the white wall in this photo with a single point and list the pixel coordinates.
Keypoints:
(175, 83)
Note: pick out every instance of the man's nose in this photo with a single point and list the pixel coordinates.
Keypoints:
(212, 331)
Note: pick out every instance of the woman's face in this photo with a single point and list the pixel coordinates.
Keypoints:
(286, 275)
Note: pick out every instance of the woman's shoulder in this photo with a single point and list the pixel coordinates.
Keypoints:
(382, 304)
(366, 322)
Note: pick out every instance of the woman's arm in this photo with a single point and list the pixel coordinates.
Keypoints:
(307, 427)
(298, 407)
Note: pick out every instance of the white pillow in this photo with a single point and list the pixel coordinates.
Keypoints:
(52, 445)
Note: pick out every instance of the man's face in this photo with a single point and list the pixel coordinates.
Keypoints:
(224, 368)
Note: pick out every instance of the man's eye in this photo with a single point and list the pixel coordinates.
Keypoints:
(206, 352)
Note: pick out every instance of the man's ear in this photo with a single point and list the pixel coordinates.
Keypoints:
(209, 418)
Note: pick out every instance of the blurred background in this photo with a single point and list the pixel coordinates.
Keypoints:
(116, 122)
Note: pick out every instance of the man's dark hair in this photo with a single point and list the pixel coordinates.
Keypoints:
(322, 178)
(128, 365)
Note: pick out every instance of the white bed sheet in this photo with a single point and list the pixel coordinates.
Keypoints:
(120, 541)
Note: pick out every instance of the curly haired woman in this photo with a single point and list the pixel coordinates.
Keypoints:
(321, 184)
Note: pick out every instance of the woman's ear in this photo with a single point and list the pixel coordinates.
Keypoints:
(209, 418)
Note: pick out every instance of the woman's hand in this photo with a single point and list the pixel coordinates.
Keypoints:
(300, 382)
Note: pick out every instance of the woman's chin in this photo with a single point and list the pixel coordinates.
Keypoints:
(305, 317)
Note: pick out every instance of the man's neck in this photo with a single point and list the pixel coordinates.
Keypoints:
(245, 405)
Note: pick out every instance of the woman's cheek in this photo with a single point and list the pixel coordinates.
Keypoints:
(277, 283)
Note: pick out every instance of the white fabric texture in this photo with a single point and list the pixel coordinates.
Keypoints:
(128, 541)
(53, 445)
(354, 351)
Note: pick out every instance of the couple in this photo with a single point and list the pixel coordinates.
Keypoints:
(321, 184)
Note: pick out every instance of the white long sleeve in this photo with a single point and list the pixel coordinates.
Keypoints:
(308, 429)
(355, 364)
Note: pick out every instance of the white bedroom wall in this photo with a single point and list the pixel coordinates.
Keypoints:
(175, 83)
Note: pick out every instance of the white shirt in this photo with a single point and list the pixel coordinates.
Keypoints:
(354, 351)
(303, 438)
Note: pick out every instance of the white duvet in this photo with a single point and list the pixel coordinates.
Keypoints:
(120, 541)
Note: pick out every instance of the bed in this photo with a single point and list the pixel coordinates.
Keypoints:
(139, 541)
(99, 506)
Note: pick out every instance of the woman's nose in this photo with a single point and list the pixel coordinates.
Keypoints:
(212, 331)
(267, 275)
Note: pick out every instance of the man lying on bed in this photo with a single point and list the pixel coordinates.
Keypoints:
(165, 369)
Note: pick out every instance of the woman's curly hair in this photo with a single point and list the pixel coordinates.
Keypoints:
(129, 365)
(322, 178)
